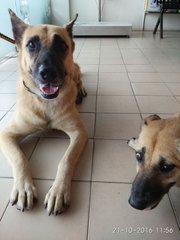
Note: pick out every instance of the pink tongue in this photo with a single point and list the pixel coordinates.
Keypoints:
(48, 89)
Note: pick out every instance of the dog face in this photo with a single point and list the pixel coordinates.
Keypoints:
(158, 161)
(45, 53)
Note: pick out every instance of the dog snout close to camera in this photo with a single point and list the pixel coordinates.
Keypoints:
(48, 89)
(157, 151)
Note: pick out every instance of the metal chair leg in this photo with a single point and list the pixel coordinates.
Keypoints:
(161, 25)
(157, 25)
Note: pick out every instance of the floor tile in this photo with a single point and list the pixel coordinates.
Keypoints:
(167, 68)
(88, 104)
(178, 98)
(88, 60)
(175, 196)
(89, 78)
(135, 60)
(111, 60)
(2, 113)
(7, 101)
(27, 146)
(174, 88)
(150, 89)
(91, 88)
(113, 77)
(89, 68)
(5, 119)
(110, 88)
(29, 225)
(111, 212)
(158, 104)
(48, 153)
(5, 190)
(4, 75)
(114, 161)
(8, 87)
(117, 126)
(170, 77)
(112, 68)
(116, 104)
(144, 77)
(124, 43)
(140, 68)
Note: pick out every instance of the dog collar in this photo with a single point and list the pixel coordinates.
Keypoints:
(28, 89)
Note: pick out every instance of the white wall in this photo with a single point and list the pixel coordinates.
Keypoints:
(60, 11)
(37, 15)
(123, 11)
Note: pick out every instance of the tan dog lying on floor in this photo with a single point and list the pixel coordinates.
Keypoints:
(46, 96)
(158, 161)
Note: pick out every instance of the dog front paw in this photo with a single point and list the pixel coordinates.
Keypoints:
(57, 200)
(23, 195)
(80, 95)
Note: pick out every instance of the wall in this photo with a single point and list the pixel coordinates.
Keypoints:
(60, 11)
(124, 11)
(38, 14)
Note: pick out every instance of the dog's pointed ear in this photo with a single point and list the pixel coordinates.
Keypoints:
(18, 27)
(69, 26)
(177, 143)
(151, 118)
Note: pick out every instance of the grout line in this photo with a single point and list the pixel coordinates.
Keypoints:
(7, 111)
(4, 211)
(34, 148)
(92, 164)
(132, 87)
(174, 211)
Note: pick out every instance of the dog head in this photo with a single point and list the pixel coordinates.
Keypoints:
(158, 161)
(45, 54)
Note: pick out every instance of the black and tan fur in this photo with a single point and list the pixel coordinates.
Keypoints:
(158, 161)
(46, 61)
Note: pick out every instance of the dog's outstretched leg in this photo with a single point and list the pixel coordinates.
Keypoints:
(24, 192)
(58, 197)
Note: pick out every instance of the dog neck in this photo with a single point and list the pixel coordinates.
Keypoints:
(28, 89)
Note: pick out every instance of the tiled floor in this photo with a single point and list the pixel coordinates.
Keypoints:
(126, 80)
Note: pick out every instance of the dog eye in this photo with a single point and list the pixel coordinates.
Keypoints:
(31, 45)
(166, 167)
(139, 156)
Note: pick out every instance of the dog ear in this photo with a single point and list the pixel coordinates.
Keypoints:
(69, 26)
(18, 27)
(177, 143)
(151, 118)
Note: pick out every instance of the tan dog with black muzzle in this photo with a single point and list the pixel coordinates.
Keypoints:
(158, 161)
(47, 90)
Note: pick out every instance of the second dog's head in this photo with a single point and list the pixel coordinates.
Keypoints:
(158, 161)
(45, 54)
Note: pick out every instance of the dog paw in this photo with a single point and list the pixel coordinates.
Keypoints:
(81, 94)
(23, 195)
(57, 200)
(132, 142)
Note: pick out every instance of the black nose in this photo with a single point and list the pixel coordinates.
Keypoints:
(48, 74)
(138, 203)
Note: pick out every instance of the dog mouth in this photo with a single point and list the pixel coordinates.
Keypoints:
(152, 206)
(49, 91)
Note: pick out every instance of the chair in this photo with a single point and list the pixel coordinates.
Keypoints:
(166, 6)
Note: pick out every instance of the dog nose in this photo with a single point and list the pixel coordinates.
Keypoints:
(138, 203)
(48, 74)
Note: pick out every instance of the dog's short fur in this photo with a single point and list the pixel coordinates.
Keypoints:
(158, 161)
(46, 94)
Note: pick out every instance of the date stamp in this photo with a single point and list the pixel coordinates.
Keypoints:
(142, 230)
